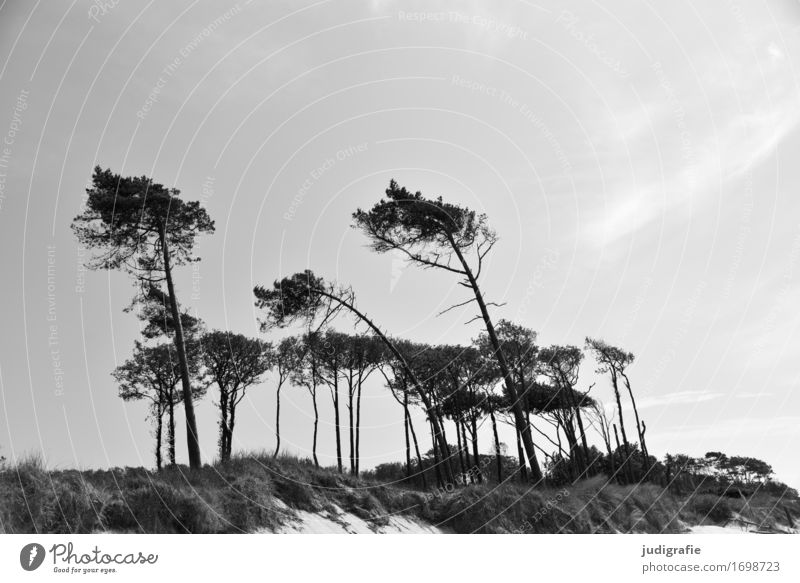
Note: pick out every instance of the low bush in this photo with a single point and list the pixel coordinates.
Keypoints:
(709, 507)
(258, 492)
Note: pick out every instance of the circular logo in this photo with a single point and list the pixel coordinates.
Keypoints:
(31, 556)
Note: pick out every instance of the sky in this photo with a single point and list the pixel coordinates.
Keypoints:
(635, 158)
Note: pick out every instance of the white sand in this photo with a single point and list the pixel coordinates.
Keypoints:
(711, 529)
(340, 522)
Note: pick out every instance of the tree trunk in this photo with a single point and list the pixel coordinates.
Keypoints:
(625, 465)
(358, 426)
(574, 449)
(408, 437)
(192, 439)
(171, 428)
(447, 456)
(626, 462)
(159, 425)
(497, 452)
(607, 440)
(468, 462)
(523, 469)
(475, 455)
(578, 452)
(223, 423)
(647, 465)
(439, 481)
(337, 421)
(277, 421)
(586, 456)
(519, 416)
(316, 424)
(421, 463)
(639, 425)
(231, 423)
(461, 448)
(350, 406)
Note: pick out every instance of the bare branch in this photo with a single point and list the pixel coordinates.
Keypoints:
(455, 306)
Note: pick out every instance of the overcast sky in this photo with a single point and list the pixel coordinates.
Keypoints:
(638, 160)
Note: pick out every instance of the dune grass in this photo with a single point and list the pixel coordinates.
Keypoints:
(259, 492)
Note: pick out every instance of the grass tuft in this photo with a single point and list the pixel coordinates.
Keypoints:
(259, 492)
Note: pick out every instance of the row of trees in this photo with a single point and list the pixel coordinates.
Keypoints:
(438, 235)
(146, 230)
(232, 363)
(717, 471)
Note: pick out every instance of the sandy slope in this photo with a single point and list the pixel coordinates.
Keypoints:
(737, 525)
(711, 529)
(337, 521)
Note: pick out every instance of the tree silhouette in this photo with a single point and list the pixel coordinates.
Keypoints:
(436, 234)
(332, 356)
(288, 356)
(362, 355)
(152, 374)
(305, 297)
(235, 363)
(399, 385)
(561, 365)
(614, 361)
(152, 307)
(145, 229)
(518, 344)
(306, 373)
(467, 400)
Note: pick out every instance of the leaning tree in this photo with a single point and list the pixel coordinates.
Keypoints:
(452, 238)
(305, 297)
(152, 309)
(145, 229)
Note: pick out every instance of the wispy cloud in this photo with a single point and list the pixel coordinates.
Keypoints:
(679, 398)
(788, 425)
(705, 140)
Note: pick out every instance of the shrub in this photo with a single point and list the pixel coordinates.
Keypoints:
(27, 497)
(708, 506)
(247, 505)
(294, 492)
(77, 505)
(160, 508)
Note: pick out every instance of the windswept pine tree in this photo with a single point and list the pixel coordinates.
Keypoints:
(146, 230)
(440, 235)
